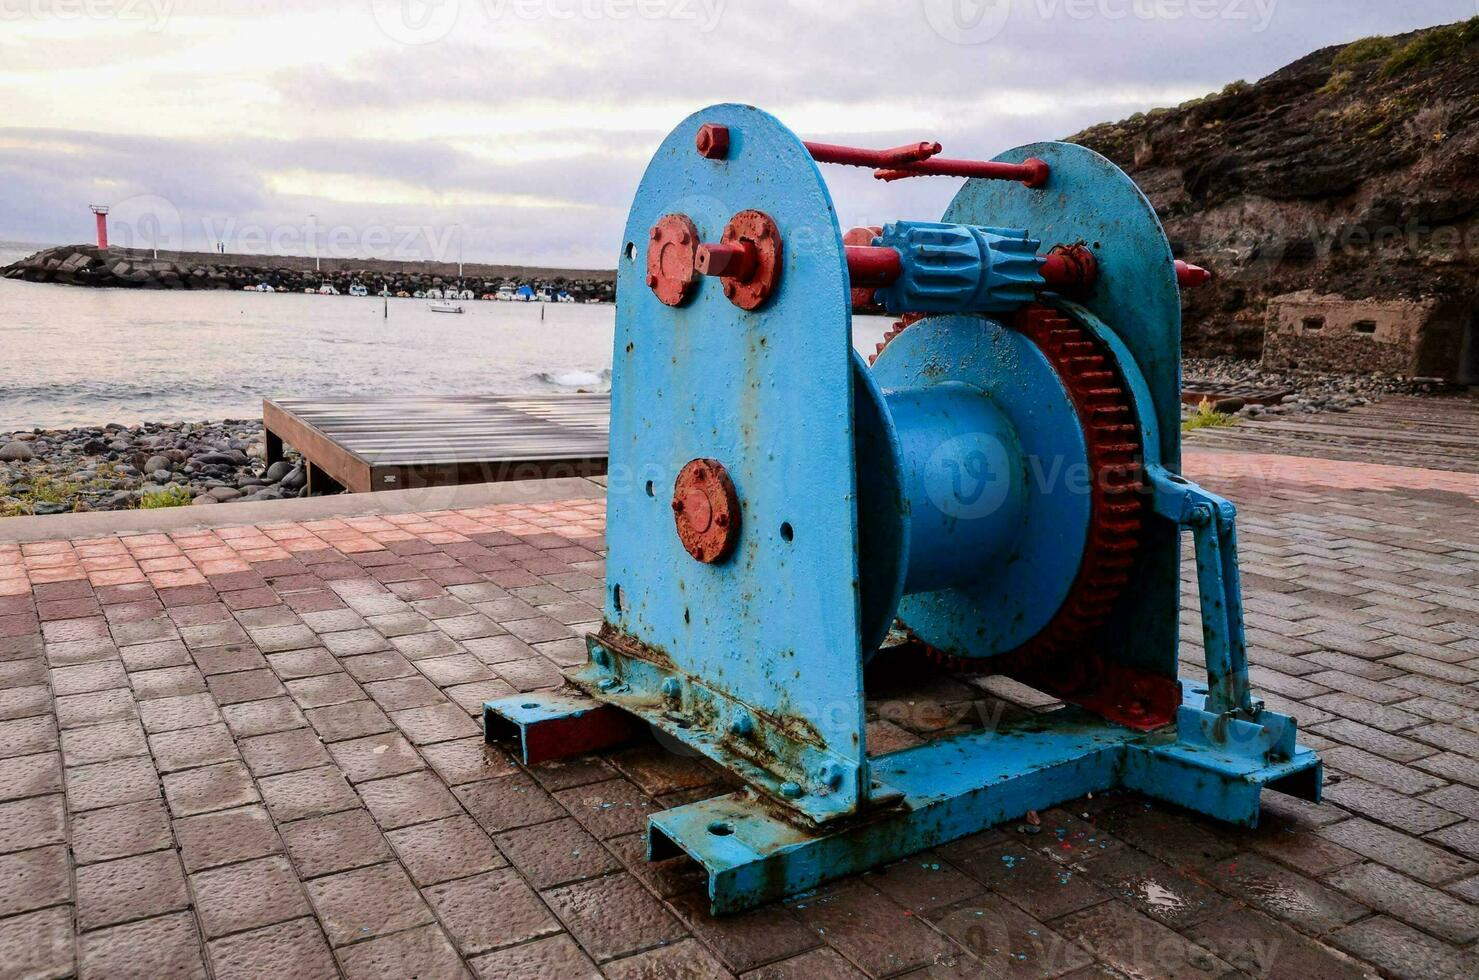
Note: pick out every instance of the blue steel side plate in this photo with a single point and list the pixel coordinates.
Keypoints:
(1009, 602)
(1089, 200)
(769, 394)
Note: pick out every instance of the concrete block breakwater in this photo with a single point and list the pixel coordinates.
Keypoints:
(87, 265)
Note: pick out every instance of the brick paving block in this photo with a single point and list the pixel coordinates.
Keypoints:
(1403, 952)
(1263, 947)
(471, 697)
(375, 757)
(64, 630)
(410, 799)
(492, 910)
(332, 620)
(307, 793)
(383, 666)
(245, 685)
(1303, 851)
(217, 787)
(554, 958)
(336, 842)
(1451, 765)
(289, 751)
(144, 631)
(1309, 905)
(247, 896)
(745, 940)
(228, 658)
(404, 692)
(610, 808)
(275, 639)
(1387, 718)
(684, 959)
(870, 930)
(569, 652)
(1358, 762)
(506, 802)
(104, 675)
(557, 774)
(22, 673)
(1449, 738)
(423, 952)
(435, 723)
(368, 902)
(1428, 864)
(656, 770)
(1137, 945)
(111, 783)
(399, 624)
(33, 822)
(1456, 799)
(1008, 941)
(470, 627)
(457, 669)
(30, 775)
(351, 643)
(493, 650)
(1040, 885)
(1415, 903)
(922, 882)
(445, 849)
(165, 946)
(215, 635)
(226, 837)
(467, 760)
(1463, 837)
(167, 682)
(613, 916)
(1394, 747)
(295, 664)
(424, 646)
(263, 717)
(183, 711)
(120, 831)
(667, 878)
(556, 853)
(821, 962)
(38, 945)
(1385, 806)
(535, 673)
(34, 879)
(103, 743)
(352, 719)
(130, 888)
(187, 748)
(80, 652)
(290, 949)
(24, 702)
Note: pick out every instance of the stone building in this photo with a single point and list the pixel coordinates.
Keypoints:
(1428, 338)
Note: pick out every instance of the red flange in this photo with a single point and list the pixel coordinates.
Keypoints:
(747, 259)
(671, 248)
(1070, 270)
(706, 510)
(862, 296)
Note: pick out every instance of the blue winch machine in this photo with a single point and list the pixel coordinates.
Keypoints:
(999, 486)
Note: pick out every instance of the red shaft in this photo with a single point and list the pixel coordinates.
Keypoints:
(729, 260)
(857, 156)
(1191, 275)
(1033, 172)
(873, 265)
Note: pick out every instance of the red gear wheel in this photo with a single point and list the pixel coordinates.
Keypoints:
(1055, 659)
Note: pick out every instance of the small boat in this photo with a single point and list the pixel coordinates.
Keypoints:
(327, 289)
(357, 289)
(445, 307)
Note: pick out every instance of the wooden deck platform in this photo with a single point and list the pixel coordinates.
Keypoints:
(364, 443)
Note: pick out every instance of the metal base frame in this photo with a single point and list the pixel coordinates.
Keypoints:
(949, 788)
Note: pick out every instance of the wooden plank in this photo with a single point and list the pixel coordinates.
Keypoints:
(397, 443)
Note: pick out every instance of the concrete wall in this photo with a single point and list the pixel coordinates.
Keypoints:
(1331, 333)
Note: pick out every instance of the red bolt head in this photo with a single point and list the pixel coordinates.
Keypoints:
(712, 141)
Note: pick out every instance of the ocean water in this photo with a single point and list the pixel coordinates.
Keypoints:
(78, 356)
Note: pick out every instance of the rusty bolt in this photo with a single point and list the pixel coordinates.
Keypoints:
(790, 790)
(712, 141)
(742, 726)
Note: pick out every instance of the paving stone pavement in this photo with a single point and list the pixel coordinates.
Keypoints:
(255, 751)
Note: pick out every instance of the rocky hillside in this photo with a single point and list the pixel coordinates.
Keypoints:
(1354, 170)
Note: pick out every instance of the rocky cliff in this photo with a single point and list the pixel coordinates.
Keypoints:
(1353, 171)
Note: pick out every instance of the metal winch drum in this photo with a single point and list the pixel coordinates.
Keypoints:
(996, 490)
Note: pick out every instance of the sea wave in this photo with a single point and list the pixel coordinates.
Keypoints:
(574, 378)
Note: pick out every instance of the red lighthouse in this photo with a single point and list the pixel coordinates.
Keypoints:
(101, 210)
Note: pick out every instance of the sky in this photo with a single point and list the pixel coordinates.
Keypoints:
(517, 130)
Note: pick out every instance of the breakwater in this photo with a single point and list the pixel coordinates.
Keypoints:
(87, 265)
